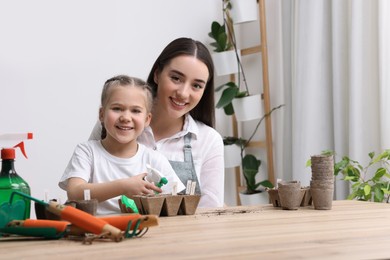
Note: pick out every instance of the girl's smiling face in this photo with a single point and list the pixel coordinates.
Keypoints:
(181, 85)
(125, 114)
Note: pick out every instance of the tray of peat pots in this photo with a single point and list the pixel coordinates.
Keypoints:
(167, 204)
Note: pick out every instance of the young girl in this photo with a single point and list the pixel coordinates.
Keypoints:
(182, 127)
(116, 165)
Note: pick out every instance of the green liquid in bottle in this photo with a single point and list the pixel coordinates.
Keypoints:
(10, 181)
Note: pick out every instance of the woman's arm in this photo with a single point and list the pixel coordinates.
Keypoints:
(96, 133)
(212, 176)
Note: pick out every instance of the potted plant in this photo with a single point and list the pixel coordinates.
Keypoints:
(224, 56)
(368, 183)
(233, 100)
(249, 165)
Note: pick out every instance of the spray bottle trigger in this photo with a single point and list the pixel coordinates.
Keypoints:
(21, 146)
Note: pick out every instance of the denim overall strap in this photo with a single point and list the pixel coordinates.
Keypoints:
(186, 170)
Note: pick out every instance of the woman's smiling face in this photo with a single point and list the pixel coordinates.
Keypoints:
(181, 85)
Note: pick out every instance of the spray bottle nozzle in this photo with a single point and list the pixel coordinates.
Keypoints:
(162, 182)
(17, 137)
(21, 146)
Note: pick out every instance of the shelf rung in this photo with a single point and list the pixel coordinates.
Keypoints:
(257, 144)
(251, 50)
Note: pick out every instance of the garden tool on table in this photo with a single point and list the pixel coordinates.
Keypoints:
(131, 224)
(75, 216)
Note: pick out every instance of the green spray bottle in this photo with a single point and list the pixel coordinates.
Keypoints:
(10, 181)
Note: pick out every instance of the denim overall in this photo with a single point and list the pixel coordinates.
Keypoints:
(186, 170)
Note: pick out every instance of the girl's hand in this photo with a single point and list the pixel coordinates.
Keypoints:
(136, 185)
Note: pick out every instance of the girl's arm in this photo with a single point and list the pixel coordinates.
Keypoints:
(103, 191)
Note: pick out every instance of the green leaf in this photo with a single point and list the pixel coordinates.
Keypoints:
(242, 94)
(327, 152)
(229, 110)
(227, 97)
(250, 162)
(308, 163)
(355, 185)
(265, 183)
(218, 33)
(222, 42)
(250, 166)
(349, 178)
(228, 84)
(378, 194)
(215, 30)
(367, 189)
(379, 174)
(352, 196)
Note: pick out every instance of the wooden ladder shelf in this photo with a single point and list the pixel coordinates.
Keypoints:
(267, 144)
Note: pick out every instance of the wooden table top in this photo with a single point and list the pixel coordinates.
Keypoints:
(351, 230)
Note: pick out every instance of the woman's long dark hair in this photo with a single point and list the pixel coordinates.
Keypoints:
(204, 111)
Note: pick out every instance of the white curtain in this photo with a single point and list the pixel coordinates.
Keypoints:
(333, 62)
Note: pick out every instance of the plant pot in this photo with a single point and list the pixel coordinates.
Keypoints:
(152, 204)
(254, 199)
(243, 11)
(225, 63)
(232, 153)
(322, 198)
(248, 108)
(307, 199)
(274, 197)
(189, 204)
(171, 205)
(290, 195)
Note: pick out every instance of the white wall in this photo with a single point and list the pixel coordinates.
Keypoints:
(55, 57)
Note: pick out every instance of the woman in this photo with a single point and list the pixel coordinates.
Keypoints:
(182, 79)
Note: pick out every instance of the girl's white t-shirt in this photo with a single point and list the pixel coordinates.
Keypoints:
(92, 163)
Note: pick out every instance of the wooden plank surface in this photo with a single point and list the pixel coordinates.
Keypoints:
(351, 230)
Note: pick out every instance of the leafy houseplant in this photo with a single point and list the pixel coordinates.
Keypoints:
(224, 40)
(218, 33)
(368, 183)
(249, 163)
